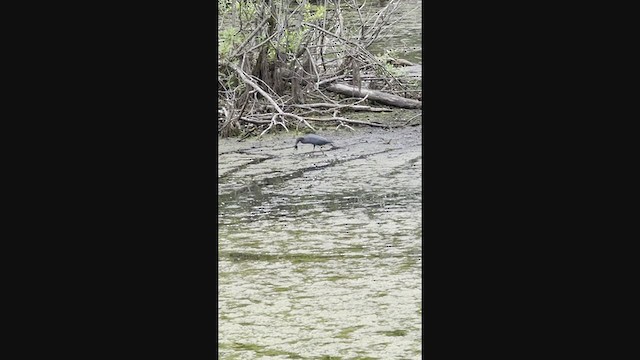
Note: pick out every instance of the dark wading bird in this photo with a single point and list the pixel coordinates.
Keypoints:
(315, 140)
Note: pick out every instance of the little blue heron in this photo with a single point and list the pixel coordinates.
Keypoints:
(314, 140)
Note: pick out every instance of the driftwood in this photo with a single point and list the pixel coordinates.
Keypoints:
(341, 120)
(246, 79)
(338, 106)
(375, 95)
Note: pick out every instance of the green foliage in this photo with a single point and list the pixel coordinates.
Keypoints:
(313, 12)
(231, 36)
(293, 39)
(226, 40)
(384, 59)
(388, 55)
(223, 6)
(393, 70)
(247, 10)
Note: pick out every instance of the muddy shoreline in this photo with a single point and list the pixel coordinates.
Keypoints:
(320, 254)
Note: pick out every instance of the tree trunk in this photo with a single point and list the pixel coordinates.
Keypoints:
(375, 95)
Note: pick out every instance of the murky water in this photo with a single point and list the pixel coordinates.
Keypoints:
(320, 253)
(404, 35)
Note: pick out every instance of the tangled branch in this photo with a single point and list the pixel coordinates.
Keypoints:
(276, 56)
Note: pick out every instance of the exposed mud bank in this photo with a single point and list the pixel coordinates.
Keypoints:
(320, 252)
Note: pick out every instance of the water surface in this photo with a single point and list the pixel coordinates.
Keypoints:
(320, 253)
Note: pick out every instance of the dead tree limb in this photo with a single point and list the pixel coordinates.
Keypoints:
(379, 96)
(341, 119)
(238, 50)
(337, 106)
(246, 79)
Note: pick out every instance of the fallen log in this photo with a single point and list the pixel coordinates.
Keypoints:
(375, 95)
(339, 106)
